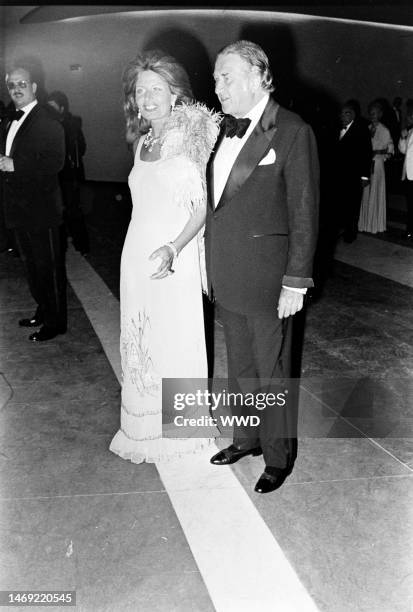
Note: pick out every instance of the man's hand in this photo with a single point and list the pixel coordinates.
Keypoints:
(289, 303)
(6, 164)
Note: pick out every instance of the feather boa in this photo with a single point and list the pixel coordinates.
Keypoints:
(191, 131)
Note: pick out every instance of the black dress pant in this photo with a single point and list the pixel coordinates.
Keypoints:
(43, 258)
(259, 361)
(349, 195)
(75, 225)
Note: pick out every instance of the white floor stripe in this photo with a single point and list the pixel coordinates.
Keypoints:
(387, 259)
(99, 303)
(241, 563)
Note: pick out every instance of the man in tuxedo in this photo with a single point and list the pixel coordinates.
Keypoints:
(32, 152)
(351, 170)
(73, 174)
(260, 235)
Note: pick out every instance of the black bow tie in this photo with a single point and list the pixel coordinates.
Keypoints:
(16, 115)
(235, 127)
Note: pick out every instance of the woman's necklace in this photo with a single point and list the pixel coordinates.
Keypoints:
(150, 140)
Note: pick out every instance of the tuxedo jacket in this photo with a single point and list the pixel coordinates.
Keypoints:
(353, 154)
(263, 231)
(75, 149)
(31, 197)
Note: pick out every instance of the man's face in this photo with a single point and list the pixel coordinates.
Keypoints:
(236, 84)
(21, 90)
(347, 116)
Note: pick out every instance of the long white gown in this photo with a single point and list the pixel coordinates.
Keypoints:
(162, 326)
(373, 205)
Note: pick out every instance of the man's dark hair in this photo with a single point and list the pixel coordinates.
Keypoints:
(60, 98)
(354, 105)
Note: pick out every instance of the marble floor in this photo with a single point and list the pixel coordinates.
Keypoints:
(187, 536)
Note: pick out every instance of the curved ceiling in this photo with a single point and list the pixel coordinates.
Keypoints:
(398, 12)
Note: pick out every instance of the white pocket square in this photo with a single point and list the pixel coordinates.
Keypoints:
(268, 159)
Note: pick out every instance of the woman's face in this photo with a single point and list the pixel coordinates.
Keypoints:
(153, 96)
(375, 114)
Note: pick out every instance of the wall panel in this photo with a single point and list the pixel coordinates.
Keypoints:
(312, 59)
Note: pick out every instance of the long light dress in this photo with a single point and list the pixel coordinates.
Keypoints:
(373, 205)
(162, 325)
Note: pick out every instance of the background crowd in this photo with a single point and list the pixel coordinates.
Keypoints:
(387, 124)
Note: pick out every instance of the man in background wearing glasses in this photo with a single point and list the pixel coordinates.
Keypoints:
(32, 152)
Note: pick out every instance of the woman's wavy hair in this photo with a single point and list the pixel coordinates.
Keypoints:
(256, 57)
(166, 67)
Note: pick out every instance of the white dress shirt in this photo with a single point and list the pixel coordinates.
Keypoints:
(16, 125)
(228, 152)
(406, 147)
(230, 148)
(345, 128)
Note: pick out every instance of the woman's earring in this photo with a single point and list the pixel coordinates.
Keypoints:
(173, 104)
(139, 114)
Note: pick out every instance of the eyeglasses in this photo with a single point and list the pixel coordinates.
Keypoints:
(20, 84)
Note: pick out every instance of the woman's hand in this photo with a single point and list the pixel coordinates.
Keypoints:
(165, 267)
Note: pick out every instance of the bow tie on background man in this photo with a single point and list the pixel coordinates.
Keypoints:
(235, 127)
(15, 115)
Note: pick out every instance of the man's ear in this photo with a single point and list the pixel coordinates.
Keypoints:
(34, 87)
(255, 78)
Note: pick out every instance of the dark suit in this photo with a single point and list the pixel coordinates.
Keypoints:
(32, 208)
(352, 160)
(262, 234)
(71, 177)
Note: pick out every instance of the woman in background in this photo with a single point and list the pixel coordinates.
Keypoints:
(162, 328)
(373, 206)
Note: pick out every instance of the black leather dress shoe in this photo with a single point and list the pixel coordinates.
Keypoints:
(33, 322)
(232, 454)
(46, 333)
(13, 252)
(270, 482)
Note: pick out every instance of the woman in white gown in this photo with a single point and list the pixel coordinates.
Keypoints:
(162, 328)
(373, 205)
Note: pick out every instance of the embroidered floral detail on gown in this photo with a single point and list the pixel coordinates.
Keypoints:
(373, 204)
(162, 326)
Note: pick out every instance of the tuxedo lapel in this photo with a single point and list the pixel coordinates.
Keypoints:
(348, 133)
(3, 140)
(252, 152)
(21, 131)
(4, 130)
